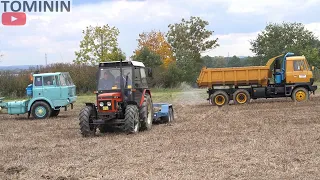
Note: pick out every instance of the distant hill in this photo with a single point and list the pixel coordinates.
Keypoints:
(19, 67)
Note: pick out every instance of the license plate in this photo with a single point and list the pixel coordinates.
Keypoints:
(105, 108)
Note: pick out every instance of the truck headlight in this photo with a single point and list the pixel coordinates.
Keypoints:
(108, 103)
(101, 104)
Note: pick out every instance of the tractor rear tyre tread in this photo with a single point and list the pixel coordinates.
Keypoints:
(41, 104)
(146, 113)
(241, 96)
(219, 98)
(131, 120)
(85, 127)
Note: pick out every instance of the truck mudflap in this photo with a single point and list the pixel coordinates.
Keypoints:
(313, 88)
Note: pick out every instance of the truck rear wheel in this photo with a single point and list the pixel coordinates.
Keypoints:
(300, 94)
(85, 116)
(146, 113)
(219, 98)
(40, 110)
(131, 120)
(241, 96)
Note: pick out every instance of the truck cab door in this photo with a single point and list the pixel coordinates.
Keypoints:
(300, 71)
(51, 88)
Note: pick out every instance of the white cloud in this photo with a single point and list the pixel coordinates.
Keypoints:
(315, 28)
(233, 44)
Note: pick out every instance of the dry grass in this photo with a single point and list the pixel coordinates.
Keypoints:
(267, 139)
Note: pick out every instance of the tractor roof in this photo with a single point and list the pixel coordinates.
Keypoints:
(124, 63)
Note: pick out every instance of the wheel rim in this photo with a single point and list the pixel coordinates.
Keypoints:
(40, 111)
(219, 100)
(301, 96)
(241, 98)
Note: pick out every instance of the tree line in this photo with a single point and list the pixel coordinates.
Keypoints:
(175, 55)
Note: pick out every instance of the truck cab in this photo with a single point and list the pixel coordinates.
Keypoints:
(49, 92)
(298, 70)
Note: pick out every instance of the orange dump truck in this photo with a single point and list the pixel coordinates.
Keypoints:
(292, 77)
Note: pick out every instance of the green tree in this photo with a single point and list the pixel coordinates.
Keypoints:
(286, 37)
(188, 40)
(148, 57)
(99, 44)
(234, 62)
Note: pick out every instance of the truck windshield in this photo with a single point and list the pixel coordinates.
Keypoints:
(65, 79)
(109, 78)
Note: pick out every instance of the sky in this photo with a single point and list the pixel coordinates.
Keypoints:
(234, 22)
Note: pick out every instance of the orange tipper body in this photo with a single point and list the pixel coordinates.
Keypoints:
(238, 76)
(287, 76)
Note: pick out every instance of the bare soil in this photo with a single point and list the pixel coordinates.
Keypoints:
(266, 139)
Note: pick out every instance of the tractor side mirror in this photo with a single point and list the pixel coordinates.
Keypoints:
(149, 72)
(312, 68)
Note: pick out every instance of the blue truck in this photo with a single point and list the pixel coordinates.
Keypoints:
(48, 93)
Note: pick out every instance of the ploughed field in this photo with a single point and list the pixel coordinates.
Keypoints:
(266, 139)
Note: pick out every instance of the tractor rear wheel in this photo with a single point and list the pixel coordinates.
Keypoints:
(146, 113)
(40, 110)
(131, 120)
(300, 94)
(55, 113)
(85, 116)
(241, 96)
(219, 98)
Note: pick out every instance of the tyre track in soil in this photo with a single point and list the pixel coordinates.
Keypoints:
(267, 139)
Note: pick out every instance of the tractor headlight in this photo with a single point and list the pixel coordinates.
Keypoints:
(101, 104)
(108, 103)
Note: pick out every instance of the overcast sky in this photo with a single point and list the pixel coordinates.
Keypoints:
(234, 22)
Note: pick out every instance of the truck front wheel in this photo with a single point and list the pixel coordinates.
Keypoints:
(300, 94)
(40, 110)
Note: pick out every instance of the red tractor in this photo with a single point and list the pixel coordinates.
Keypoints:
(123, 100)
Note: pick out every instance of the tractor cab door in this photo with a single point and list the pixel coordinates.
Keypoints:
(51, 88)
(140, 82)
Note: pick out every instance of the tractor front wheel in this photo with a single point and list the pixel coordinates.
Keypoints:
(131, 120)
(85, 118)
(40, 110)
(146, 113)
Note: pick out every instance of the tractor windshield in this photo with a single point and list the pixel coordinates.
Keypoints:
(109, 78)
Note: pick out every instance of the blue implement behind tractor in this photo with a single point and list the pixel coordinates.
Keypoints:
(48, 93)
(163, 112)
